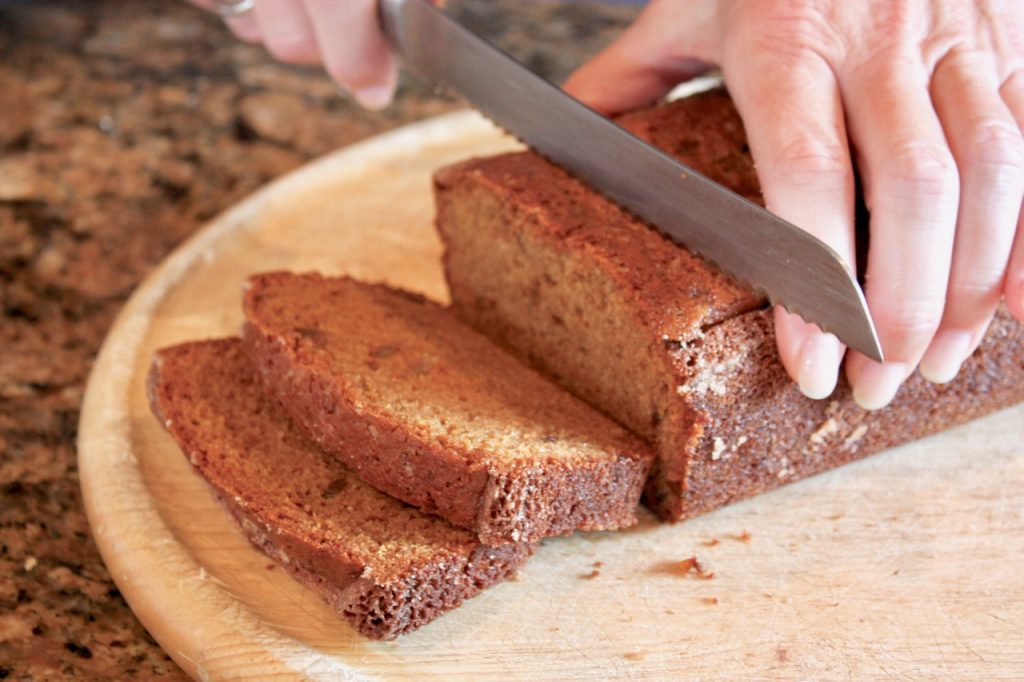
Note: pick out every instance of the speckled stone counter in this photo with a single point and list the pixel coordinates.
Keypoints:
(124, 126)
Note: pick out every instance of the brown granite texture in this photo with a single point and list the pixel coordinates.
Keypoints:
(123, 127)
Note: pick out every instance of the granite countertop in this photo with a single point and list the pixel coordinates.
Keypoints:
(123, 128)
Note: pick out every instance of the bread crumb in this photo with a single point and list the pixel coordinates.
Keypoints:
(30, 563)
(710, 601)
(695, 567)
(718, 447)
(593, 574)
(712, 542)
(634, 655)
(741, 537)
(857, 434)
(827, 428)
(713, 378)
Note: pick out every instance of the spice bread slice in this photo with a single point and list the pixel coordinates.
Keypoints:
(383, 566)
(670, 347)
(429, 411)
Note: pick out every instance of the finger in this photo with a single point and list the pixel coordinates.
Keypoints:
(793, 114)
(1014, 289)
(355, 52)
(989, 152)
(245, 27)
(286, 31)
(1012, 92)
(647, 60)
(912, 191)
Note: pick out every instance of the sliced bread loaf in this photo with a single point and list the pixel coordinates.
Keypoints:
(433, 413)
(670, 347)
(383, 566)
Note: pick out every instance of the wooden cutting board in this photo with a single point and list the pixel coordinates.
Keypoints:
(908, 564)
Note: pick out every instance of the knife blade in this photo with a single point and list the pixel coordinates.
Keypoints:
(791, 266)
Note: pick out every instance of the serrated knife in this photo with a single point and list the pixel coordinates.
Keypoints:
(791, 266)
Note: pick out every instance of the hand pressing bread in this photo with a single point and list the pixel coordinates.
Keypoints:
(924, 98)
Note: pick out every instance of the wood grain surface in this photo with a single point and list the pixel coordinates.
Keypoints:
(908, 564)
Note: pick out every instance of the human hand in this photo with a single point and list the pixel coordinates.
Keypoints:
(342, 35)
(926, 97)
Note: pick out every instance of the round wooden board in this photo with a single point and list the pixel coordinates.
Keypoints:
(906, 564)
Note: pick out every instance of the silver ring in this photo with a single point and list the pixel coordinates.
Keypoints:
(232, 8)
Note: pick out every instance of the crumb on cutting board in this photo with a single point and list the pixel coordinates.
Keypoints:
(693, 566)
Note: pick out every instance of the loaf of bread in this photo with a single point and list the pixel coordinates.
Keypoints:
(662, 342)
(429, 411)
(383, 566)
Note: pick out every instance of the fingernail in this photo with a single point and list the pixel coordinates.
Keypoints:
(374, 97)
(877, 384)
(819, 366)
(942, 361)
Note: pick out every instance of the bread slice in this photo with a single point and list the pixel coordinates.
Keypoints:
(383, 566)
(431, 412)
(670, 347)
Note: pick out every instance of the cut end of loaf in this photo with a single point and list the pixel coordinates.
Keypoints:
(386, 568)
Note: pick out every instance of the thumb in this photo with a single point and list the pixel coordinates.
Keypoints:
(670, 42)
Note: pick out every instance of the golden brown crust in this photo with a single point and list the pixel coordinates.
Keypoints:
(386, 568)
(659, 340)
(431, 412)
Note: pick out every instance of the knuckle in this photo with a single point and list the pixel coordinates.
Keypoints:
(924, 168)
(813, 162)
(979, 287)
(791, 29)
(997, 147)
(1013, 82)
(909, 324)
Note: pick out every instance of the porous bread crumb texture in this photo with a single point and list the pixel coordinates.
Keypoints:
(771, 434)
(385, 567)
(663, 343)
(431, 412)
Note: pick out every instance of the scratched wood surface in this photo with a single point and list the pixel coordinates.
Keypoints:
(909, 564)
